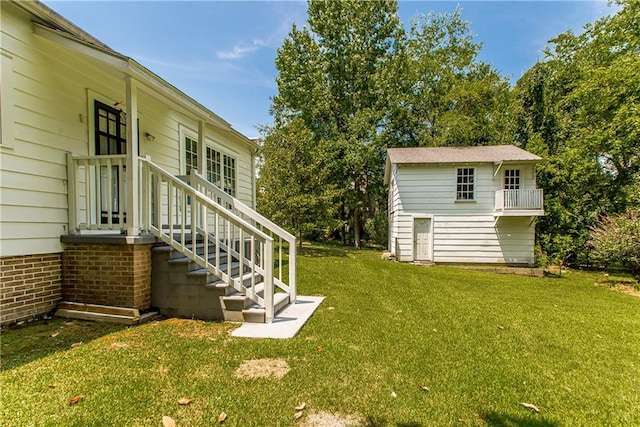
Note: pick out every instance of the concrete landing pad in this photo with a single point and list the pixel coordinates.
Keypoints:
(287, 323)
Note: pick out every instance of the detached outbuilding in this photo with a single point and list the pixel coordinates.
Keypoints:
(463, 204)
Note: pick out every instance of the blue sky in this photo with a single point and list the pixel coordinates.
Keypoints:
(222, 52)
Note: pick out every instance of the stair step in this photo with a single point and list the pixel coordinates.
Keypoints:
(257, 314)
(198, 271)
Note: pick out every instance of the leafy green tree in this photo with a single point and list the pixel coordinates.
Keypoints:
(579, 110)
(327, 78)
(442, 94)
(293, 183)
(359, 84)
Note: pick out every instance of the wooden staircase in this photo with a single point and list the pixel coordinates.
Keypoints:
(182, 288)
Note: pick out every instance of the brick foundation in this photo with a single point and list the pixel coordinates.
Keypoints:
(30, 286)
(109, 274)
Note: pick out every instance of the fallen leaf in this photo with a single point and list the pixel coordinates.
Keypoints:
(222, 417)
(75, 399)
(52, 386)
(301, 406)
(297, 415)
(55, 334)
(76, 344)
(424, 388)
(319, 348)
(500, 327)
(530, 406)
(168, 421)
(185, 401)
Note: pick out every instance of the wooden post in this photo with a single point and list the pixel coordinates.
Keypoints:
(133, 224)
(293, 292)
(202, 169)
(72, 194)
(267, 264)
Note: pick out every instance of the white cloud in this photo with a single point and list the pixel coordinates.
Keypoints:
(238, 51)
(286, 13)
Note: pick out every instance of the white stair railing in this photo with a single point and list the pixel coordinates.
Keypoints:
(280, 235)
(188, 219)
(184, 217)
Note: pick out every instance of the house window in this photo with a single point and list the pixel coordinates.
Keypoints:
(190, 154)
(221, 171)
(512, 179)
(465, 187)
(230, 175)
(110, 130)
(214, 167)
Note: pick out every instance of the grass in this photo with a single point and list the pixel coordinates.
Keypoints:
(482, 343)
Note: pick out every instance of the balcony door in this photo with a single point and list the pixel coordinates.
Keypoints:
(110, 139)
(512, 184)
(512, 179)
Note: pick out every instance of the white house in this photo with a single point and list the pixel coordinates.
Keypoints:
(463, 204)
(95, 150)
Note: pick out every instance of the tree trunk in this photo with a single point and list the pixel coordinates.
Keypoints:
(356, 228)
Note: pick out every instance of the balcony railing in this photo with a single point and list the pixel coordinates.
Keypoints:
(519, 200)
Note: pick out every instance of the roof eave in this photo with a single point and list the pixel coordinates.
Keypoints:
(130, 67)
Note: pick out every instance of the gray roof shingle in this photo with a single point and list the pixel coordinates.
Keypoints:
(481, 154)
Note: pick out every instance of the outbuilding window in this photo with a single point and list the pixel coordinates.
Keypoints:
(465, 184)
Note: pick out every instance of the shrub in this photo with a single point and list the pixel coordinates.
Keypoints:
(616, 239)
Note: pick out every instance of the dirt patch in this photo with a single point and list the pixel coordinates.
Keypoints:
(262, 368)
(195, 329)
(120, 345)
(626, 287)
(327, 419)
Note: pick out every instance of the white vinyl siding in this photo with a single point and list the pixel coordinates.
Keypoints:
(462, 232)
(475, 239)
(50, 114)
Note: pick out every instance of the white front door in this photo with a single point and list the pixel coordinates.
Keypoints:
(422, 239)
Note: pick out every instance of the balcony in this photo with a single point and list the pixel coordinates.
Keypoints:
(519, 203)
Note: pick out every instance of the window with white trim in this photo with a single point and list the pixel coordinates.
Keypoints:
(512, 179)
(190, 154)
(465, 184)
(221, 171)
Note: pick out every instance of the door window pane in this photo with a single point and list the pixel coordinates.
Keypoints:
(512, 179)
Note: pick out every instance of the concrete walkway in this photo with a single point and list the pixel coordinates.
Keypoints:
(287, 323)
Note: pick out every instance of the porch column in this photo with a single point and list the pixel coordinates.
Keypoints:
(202, 170)
(132, 157)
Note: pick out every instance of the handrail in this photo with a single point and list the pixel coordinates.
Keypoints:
(199, 182)
(235, 244)
(531, 198)
(97, 192)
(190, 213)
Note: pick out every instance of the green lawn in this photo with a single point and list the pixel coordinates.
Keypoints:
(482, 343)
